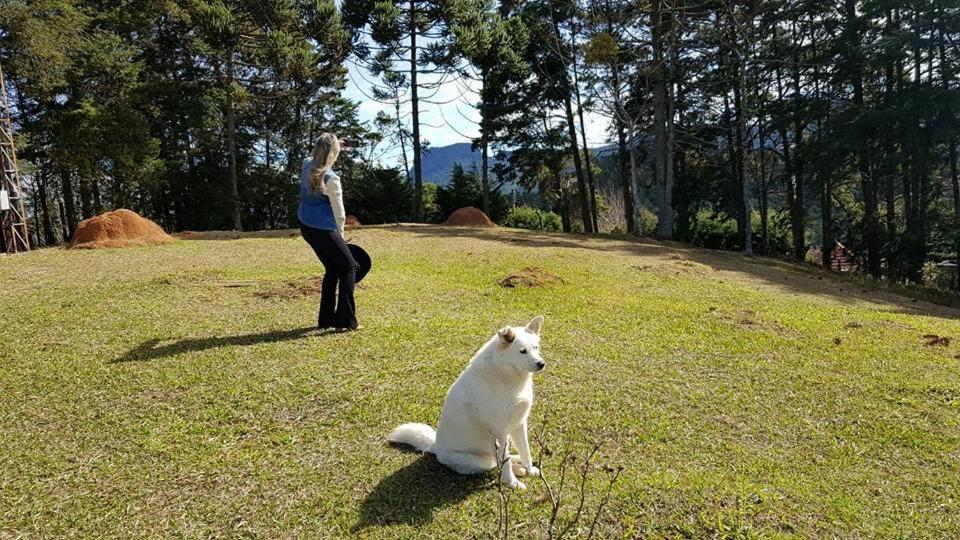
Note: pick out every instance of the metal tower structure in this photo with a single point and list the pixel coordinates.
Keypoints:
(16, 237)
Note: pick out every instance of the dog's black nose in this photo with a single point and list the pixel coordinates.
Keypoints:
(541, 364)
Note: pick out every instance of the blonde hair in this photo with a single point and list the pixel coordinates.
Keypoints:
(325, 153)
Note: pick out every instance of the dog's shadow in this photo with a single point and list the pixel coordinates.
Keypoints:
(411, 494)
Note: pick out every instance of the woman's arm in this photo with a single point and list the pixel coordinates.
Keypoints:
(334, 191)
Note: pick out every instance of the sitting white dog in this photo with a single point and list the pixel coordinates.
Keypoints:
(488, 403)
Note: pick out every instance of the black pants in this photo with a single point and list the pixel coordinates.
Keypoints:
(337, 310)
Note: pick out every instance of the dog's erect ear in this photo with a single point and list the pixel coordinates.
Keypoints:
(506, 335)
(536, 324)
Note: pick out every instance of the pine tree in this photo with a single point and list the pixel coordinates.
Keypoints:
(493, 43)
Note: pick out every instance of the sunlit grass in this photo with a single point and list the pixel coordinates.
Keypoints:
(179, 391)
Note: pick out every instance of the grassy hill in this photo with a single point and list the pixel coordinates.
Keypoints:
(179, 391)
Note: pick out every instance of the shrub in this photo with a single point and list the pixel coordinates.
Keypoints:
(937, 276)
(527, 217)
(715, 230)
(648, 222)
(378, 195)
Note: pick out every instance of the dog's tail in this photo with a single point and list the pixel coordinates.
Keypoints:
(419, 436)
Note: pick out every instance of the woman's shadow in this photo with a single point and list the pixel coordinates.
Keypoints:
(411, 494)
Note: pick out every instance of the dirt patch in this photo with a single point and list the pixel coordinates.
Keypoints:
(853, 325)
(297, 288)
(529, 277)
(748, 318)
(933, 340)
(290, 290)
(119, 228)
(469, 216)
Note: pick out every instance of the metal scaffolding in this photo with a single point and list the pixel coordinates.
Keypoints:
(16, 237)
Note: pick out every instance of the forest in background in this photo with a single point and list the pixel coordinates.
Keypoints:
(766, 127)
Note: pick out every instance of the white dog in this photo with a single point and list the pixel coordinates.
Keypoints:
(488, 403)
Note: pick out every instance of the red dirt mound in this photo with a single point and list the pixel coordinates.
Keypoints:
(120, 228)
(470, 217)
(352, 221)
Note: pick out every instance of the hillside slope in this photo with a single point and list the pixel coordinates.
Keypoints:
(179, 391)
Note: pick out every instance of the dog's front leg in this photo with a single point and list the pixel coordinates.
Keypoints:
(519, 436)
(503, 461)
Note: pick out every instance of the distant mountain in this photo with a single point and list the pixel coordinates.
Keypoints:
(437, 162)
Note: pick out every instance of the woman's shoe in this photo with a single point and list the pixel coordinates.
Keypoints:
(349, 329)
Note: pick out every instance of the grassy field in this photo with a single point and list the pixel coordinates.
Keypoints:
(180, 391)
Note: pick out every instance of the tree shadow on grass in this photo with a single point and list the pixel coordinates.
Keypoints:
(152, 350)
(787, 276)
(410, 495)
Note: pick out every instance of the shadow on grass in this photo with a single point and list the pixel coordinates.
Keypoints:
(411, 494)
(149, 350)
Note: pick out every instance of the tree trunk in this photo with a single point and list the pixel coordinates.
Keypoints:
(871, 229)
(95, 199)
(660, 130)
(294, 144)
(635, 184)
(415, 105)
(563, 203)
(588, 167)
(623, 159)
(49, 235)
(955, 183)
(822, 179)
(37, 227)
(485, 181)
(732, 161)
(578, 166)
(826, 219)
(69, 206)
(889, 169)
(269, 156)
(572, 133)
(403, 142)
(764, 188)
(232, 145)
(798, 210)
(86, 199)
(740, 128)
(788, 171)
(946, 78)
(586, 148)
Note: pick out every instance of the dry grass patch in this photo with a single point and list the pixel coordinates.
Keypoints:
(530, 277)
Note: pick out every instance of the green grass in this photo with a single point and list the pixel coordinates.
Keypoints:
(177, 391)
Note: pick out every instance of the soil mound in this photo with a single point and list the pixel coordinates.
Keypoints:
(352, 221)
(530, 277)
(469, 216)
(119, 228)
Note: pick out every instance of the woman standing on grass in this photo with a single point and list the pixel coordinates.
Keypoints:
(322, 218)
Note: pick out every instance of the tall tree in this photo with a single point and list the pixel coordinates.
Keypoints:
(493, 42)
(660, 22)
(414, 34)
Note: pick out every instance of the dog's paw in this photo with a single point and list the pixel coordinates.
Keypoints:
(521, 470)
(516, 484)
